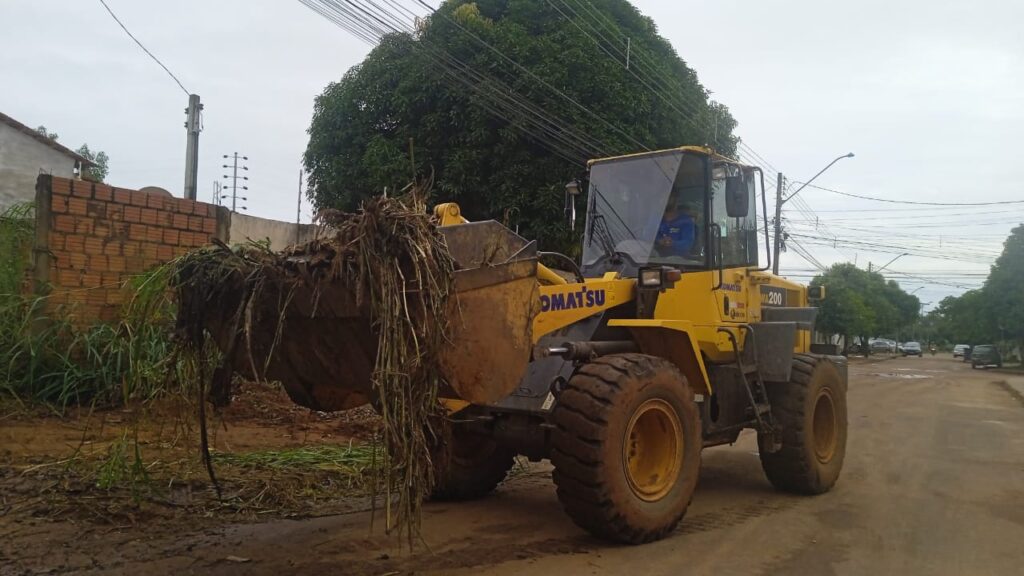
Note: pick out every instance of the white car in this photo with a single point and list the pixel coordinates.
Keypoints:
(959, 349)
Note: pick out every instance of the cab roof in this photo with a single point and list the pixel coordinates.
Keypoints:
(702, 150)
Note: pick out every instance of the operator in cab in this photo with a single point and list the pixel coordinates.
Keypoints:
(677, 233)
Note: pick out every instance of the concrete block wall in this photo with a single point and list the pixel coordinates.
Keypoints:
(280, 234)
(91, 238)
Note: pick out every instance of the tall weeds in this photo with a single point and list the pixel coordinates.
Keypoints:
(44, 358)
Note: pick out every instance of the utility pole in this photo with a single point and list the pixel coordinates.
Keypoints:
(779, 201)
(193, 125)
(216, 192)
(234, 180)
(778, 223)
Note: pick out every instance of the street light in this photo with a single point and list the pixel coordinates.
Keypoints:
(779, 201)
(915, 290)
(890, 262)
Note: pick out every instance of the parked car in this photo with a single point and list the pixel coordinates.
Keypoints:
(985, 355)
(911, 348)
(881, 347)
(958, 350)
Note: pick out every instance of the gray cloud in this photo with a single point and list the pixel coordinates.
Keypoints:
(927, 94)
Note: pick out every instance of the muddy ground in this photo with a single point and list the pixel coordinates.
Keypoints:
(933, 484)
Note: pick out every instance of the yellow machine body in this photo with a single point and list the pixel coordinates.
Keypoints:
(687, 322)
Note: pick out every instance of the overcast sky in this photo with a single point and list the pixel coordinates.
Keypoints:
(926, 94)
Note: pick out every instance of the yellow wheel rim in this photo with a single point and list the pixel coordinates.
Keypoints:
(824, 426)
(653, 450)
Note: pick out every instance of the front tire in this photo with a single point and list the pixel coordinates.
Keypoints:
(811, 411)
(626, 447)
(477, 464)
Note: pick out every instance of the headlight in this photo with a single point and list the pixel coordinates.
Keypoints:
(650, 278)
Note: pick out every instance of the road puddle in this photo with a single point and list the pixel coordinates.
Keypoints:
(902, 375)
(920, 370)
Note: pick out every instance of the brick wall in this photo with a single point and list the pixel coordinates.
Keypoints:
(91, 238)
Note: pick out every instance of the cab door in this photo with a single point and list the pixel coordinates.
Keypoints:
(735, 238)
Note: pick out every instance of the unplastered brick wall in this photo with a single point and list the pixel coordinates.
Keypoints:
(92, 238)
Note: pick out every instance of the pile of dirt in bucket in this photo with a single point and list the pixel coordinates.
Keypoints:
(358, 314)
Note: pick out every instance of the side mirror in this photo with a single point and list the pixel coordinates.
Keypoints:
(737, 197)
(816, 293)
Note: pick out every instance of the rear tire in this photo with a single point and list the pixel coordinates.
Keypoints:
(626, 447)
(476, 466)
(811, 411)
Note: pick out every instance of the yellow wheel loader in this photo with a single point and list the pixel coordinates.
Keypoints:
(666, 338)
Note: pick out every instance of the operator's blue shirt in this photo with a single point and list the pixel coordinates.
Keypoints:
(681, 231)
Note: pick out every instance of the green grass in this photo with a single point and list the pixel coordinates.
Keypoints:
(46, 359)
(354, 459)
(312, 473)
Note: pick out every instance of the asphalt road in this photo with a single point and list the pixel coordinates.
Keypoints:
(933, 484)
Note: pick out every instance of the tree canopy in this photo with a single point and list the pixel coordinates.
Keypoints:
(994, 312)
(99, 169)
(443, 101)
(862, 303)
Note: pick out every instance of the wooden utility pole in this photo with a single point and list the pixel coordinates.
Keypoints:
(193, 125)
(778, 224)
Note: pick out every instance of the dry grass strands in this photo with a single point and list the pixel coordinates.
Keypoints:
(303, 317)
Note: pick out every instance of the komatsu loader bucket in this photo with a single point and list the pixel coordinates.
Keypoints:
(323, 349)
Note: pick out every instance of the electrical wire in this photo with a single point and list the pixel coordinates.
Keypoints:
(656, 75)
(540, 80)
(996, 203)
(372, 22)
(144, 49)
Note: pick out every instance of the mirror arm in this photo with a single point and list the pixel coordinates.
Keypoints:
(717, 254)
(764, 215)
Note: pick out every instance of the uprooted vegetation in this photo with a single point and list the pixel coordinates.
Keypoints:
(303, 317)
(216, 316)
(100, 421)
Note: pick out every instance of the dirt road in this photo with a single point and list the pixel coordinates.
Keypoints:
(933, 484)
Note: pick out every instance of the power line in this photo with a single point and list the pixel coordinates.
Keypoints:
(896, 218)
(657, 76)
(894, 249)
(144, 49)
(372, 23)
(543, 82)
(653, 79)
(945, 224)
(997, 203)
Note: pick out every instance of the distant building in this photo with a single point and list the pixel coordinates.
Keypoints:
(24, 155)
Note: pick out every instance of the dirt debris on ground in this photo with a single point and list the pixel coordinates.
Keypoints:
(931, 486)
(275, 460)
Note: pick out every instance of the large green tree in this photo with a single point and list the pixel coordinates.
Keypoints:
(862, 303)
(1005, 288)
(994, 312)
(965, 319)
(403, 109)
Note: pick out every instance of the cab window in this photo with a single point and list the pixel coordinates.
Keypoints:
(739, 235)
